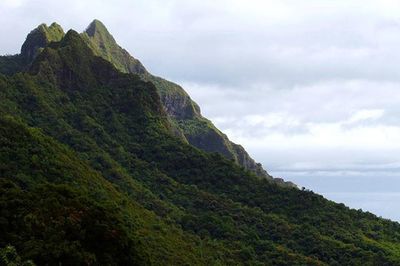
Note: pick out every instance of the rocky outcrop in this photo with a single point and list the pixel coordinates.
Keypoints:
(176, 101)
(246, 161)
(39, 38)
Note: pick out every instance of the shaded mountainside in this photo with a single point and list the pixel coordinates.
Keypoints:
(56, 208)
(92, 173)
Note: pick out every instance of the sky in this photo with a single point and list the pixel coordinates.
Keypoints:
(308, 87)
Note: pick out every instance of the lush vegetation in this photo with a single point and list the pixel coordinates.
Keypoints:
(91, 173)
(10, 64)
(10, 257)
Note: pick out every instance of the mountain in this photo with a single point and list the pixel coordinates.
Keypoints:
(183, 111)
(184, 114)
(92, 173)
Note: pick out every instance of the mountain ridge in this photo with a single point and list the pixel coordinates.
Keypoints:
(185, 114)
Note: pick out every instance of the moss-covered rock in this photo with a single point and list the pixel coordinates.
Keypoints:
(39, 38)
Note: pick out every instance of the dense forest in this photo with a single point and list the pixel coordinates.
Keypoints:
(92, 172)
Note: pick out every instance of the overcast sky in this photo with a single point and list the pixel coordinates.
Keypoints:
(308, 87)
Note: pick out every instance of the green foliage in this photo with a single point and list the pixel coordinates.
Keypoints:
(55, 208)
(91, 174)
(10, 257)
(198, 126)
(10, 64)
(53, 224)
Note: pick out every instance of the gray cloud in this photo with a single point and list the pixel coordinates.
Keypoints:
(236, 43)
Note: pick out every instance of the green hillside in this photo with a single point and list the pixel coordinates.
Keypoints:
(92, 173)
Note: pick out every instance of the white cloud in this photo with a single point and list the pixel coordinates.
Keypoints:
(328, 125)
(11, 3)
(363, 115)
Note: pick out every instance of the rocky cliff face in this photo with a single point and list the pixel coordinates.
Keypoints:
(176, 101)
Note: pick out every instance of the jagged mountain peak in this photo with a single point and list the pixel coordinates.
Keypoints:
(97, 27)
(103, 44)
(53, 28)
(39, 38)
(72, 64)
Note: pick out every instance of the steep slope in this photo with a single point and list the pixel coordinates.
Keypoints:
(183, 111)
(56, 208)
(106, 136)
(28, 161)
